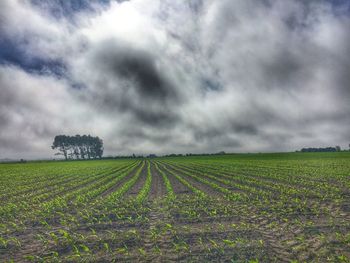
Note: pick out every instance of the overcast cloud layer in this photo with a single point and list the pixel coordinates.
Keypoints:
(164, 76)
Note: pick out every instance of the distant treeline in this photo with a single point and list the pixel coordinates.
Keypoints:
(327, 149)
(194, 154)
(167, 155)
(78, 147)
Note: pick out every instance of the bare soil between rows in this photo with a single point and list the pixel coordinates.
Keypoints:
(158, 188)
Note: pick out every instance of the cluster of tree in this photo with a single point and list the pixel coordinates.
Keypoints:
(327, 149)
(78, 147)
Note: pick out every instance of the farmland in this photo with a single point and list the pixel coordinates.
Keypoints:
(292, 207)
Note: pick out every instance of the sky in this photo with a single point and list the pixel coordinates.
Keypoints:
(174, 76)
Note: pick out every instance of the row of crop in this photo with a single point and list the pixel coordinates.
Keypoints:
(114, 197)
(14, 193)
(61, 201)
(168, 186)
(100, 177)
(182, 180)
(142, 195)
(44, 190)
(305, 177)
(241, 187)
(29, 174)
(14, 207)
(81, 196)
(67, 209)
(231, 195)
(93, 193)
(238, 170)
(241, 182)
(320, 190)
(325, 180)
(284, 204)
(232, 171)
(12, 186)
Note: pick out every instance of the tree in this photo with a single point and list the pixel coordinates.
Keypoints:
(338, 148)
(78, 146)
(98, 147)
(327, 149)
(62, 144)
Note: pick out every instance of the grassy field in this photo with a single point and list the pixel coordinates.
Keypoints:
(292, 207)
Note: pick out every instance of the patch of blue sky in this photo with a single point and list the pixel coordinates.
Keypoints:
(340, 6)
(14, 53)
(67, 8)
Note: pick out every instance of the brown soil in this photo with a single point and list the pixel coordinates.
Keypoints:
(135, 189)
(158, 188)
(178, 187)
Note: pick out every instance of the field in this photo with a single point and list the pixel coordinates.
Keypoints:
(292, 207)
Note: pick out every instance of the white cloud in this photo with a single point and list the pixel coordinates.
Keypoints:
(179, 76)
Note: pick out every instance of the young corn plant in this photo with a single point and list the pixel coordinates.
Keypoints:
(142, 195)
(169, 188)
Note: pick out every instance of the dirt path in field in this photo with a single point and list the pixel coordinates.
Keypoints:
(135, 189)
(158, 188)
(158, 237)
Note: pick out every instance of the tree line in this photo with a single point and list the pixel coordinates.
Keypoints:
(327, 149)
(78, 147)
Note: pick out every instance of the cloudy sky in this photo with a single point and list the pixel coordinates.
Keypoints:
(162, 76)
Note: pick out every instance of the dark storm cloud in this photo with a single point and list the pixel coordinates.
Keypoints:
(284, 67)
(196, 6)
(138, 68)
(215, 138)
(211, 84)
(246, 128)
(132, 81)
(139, 135)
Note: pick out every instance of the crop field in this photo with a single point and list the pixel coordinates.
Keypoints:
(292, 207)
